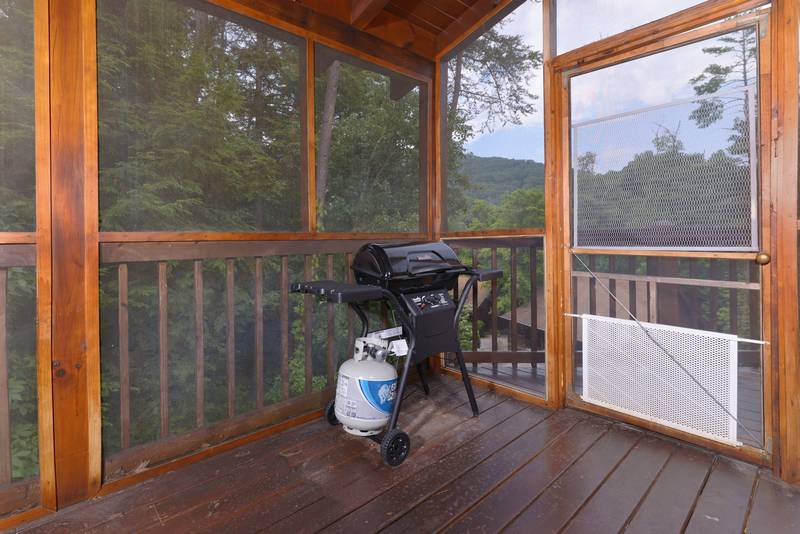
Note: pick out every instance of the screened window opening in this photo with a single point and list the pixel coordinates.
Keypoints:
(199, 119)
(17, 146)
(493, 130)
(370, 167)
(656, 168)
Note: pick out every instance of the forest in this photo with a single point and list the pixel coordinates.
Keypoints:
(201, 128)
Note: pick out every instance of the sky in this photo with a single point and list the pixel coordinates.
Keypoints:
(642, 83)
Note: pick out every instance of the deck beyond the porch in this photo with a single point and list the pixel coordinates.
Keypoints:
(516, 467)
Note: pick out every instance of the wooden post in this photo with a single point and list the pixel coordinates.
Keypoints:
(75, 252)
(785, 20)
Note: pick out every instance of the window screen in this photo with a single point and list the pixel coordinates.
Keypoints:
(369, 122)
(663, 149)
(200, 123)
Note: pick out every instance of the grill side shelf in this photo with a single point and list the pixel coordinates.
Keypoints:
(339, 292)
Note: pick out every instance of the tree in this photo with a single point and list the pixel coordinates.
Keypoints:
(736, 67)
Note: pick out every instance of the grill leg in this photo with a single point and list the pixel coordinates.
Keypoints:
(422, 380)
(467, 384)
(401, 390)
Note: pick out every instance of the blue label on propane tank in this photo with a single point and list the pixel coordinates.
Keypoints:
(379, 393)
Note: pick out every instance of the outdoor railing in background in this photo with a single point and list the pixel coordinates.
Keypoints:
(504, 346)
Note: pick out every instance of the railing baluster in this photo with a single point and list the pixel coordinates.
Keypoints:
(307, 325)
(329, 353)
(163, 347)
(475, 310)
(5, 414)
(733, 297)
(124, 359)
(534, 333)
(284, 318)
(199, 346)
(694, 295)
(652, 288)
(755, 306)
(348, 277)
(632, 288)
(592, 287)
(612, 286)
(713, 298)
(230, 337)
(513, 328)
(494, 311)
(259, 332)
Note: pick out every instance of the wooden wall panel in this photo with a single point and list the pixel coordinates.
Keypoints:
(75, 359)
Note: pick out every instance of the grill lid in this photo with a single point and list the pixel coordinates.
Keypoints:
(406, 260)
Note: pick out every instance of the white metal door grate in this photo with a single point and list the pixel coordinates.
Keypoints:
(624, 370)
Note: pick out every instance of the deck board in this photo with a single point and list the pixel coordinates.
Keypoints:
(515, 467)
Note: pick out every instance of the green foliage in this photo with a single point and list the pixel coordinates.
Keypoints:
(17, 144)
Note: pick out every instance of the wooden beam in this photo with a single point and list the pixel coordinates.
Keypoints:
(364, 11)
(476, 15)
(43, 256)
(785, 20)
(75, 328)
(411, 55)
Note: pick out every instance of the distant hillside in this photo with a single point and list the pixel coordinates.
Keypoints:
(492, 177)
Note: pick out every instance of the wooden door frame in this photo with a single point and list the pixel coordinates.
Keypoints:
(562, 72)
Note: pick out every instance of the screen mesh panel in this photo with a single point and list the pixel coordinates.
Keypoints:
(626, 371)
(676, 176)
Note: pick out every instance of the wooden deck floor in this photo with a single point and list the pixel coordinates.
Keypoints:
(516, 468)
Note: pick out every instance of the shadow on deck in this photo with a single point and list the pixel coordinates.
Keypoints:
(516, 467)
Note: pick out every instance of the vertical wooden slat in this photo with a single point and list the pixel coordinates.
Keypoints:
(348, 277)
(259, 332)
(713, 297)
(612, 286)
(475, 309)
(652, 302)
(513, 328)
(284, 318)
(494, 311)
(733, 297)
(592, 286)
(163, 348)
(329, 348)
(308, 334)
(5, 419)
(632, 288)
(44, 263)
(534, 301)
(694, 293)
(124, 361)
(199, 346)
(755, 304)
(230, 337)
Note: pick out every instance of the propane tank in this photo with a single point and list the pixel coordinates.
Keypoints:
(365, 391)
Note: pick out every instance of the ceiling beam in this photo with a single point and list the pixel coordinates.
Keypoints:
(363, 12)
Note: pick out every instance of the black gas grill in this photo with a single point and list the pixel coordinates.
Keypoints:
(417, 281)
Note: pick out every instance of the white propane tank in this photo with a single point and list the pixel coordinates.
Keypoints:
(366, 388)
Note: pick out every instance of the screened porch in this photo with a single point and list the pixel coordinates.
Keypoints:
(173, 169)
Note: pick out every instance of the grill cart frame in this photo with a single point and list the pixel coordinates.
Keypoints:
(415, 280)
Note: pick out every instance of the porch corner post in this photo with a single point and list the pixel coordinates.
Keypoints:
(75, 257)
(784, 136)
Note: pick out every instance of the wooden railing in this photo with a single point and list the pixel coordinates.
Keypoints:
(168, 445)
(507, 253)
(656, 298)
(15, 494)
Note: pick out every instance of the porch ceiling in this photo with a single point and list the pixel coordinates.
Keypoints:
(424, 27)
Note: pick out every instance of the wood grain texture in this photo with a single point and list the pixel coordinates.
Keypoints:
(75, 326)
